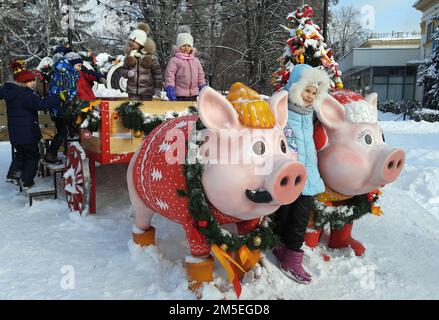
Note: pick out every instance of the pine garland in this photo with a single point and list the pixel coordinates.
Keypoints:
(261, 238)
(338, 216)
(83, 115)
(133, 118)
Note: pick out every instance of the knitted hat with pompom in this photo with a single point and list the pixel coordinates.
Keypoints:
(184, 37)
(20, 73)
(140, 34)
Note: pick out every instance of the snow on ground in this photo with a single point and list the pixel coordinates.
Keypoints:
(45, 246)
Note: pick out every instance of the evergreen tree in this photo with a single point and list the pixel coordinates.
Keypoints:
(30, 29)
(305, 46)
(429, 76)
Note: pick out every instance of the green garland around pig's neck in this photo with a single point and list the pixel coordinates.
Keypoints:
(338, 216)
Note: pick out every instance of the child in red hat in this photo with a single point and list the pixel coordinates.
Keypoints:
(22, 105)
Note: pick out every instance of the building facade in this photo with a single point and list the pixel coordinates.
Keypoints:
(429, 22)
(386, 64)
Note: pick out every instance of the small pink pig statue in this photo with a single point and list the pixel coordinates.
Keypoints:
(353, 156)
(234, 192)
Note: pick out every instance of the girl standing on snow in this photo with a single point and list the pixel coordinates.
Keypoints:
(305, 86)
(184, 77)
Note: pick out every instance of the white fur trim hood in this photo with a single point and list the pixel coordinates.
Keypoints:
(308, 78)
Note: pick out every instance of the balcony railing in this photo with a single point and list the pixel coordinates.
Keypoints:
(393, 35)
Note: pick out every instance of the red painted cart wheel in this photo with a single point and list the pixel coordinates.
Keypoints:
(76, 179)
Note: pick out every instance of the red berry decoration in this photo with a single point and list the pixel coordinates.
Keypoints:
(203, 223)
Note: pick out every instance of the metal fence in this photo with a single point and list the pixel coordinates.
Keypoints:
(393, 35)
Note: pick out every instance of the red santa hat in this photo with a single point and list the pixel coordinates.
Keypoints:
(358, 109)
(20, 73)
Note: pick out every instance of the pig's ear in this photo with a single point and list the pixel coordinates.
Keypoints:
(279, 105)
(216, 112)
(372, 99)
(330, 112)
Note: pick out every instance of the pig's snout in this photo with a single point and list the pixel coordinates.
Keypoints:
(392, 166)
(287, 181)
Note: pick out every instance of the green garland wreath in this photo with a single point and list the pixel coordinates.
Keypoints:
(79, 119)
(134, 119)
(338, 216)
(261, 238)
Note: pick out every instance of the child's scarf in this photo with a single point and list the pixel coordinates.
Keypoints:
(184, 56)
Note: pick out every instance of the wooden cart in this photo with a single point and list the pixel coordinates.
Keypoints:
(113, 144)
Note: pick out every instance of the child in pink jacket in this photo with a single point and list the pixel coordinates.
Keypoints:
(184, 77)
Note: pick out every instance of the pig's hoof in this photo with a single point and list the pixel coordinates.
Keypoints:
(358, 248)
(199, 271)
(145, 238)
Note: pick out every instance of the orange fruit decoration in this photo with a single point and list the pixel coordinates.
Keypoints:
(252, 110)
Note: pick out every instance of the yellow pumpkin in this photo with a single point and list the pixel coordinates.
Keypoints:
(252, 110)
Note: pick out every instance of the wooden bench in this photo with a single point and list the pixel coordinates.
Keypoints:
(55, 169)
(41, 188)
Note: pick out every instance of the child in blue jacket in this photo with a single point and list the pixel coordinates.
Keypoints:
(305, 86)
(64, 78)
(22, 105)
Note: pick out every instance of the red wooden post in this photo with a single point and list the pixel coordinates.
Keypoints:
(92, 170)
(105, 132)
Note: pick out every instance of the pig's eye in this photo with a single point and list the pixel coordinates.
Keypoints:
(384, 139)
(368, 139)
(259, 148)
(283, 146)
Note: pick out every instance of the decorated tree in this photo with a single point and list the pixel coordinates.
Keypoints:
(305, 46)
(429, 75)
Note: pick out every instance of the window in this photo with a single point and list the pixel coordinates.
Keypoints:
(410, 80)
(430, 31)
(381, 71)
(380, 80)
(381, 90)
(409, 92)
(396, 79)
(395, 92)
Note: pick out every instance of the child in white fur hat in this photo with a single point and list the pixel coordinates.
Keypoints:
(305, 86)
(141, 66)
(184, 77)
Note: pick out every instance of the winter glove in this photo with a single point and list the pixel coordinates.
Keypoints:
(157, 92)
(103, 81)
(170, 92)
(63, 95)
(130, 73)
(201, 86)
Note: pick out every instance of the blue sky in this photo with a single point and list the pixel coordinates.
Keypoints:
(390, 15)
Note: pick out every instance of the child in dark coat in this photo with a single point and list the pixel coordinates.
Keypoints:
(24, 131)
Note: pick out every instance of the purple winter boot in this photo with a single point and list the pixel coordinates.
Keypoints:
(291, 264)
(279, 252)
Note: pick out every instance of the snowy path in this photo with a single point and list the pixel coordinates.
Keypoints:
(401, 261)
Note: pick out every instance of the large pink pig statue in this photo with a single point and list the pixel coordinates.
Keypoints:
(353, 156)
(235, 193)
